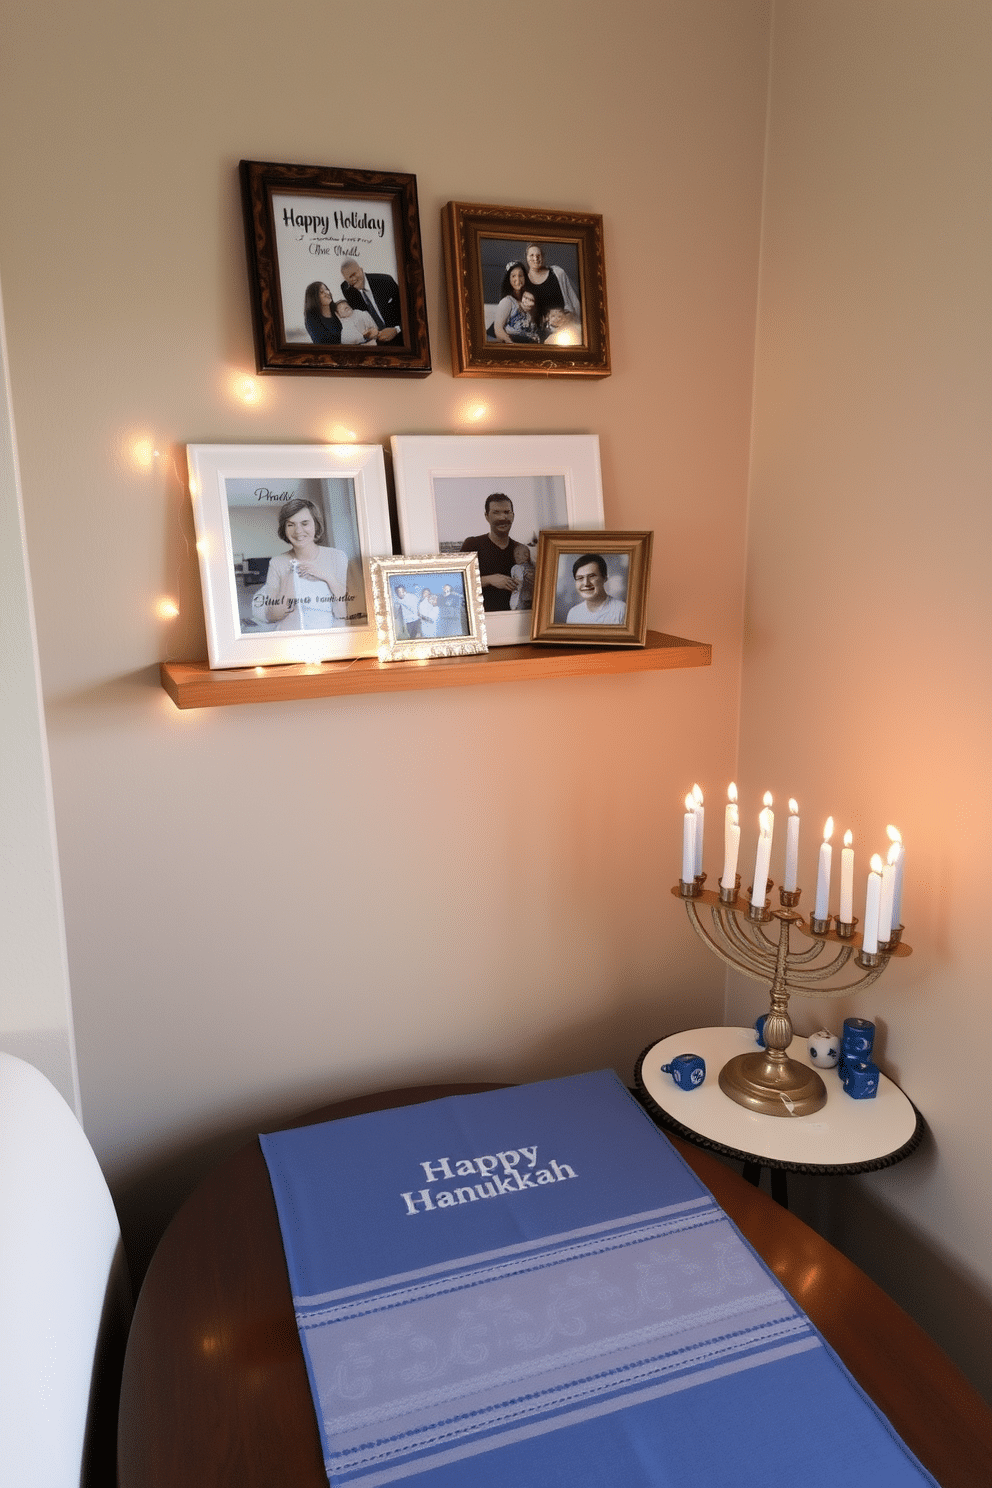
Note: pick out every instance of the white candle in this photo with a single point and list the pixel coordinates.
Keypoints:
(730, 819)
(762, 858)
(896, 837)
(792, 849)
(888, 889)
(847, 880)
(872, 903)
(822, 909)
(689, 841)
(697, 806)
(731, 847)
(766, 802)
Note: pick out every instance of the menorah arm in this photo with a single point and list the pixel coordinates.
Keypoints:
(869, 975)
(737, 954)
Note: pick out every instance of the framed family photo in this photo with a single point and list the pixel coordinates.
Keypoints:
(492, 495)
(430, 605)
(284, 534)
(526, 292)
(336, 270)
(591, 588)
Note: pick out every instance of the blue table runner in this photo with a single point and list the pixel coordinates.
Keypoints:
(529, 1287)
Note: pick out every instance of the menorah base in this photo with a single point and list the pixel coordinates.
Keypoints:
(769, 1082)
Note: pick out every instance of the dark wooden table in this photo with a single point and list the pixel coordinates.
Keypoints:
(215, 1390)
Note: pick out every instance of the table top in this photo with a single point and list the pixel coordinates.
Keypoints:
(845, 1136)
(215, 1390)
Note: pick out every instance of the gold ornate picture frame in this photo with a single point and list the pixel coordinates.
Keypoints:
(526, 292)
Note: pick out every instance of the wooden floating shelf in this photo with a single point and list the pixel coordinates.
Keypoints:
(192, 684)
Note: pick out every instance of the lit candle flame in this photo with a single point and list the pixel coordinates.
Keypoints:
(690, 804)
(894, 836)
(767, 798)
(697, 795)
(793, 807)
(848, 838)
(731, 792)
(828, 829)
(876, 863)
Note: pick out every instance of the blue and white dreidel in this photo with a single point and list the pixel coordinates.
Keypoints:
(687, 1070)
(860, 1079)
(824, 1049)
(857, 1041)
(759, 1029)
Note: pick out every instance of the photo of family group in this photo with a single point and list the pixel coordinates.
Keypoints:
(532, 292)
(296, 554)
(428, 605)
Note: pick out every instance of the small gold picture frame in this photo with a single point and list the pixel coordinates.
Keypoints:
(591, 588)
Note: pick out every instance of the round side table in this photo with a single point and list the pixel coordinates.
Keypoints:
(845, 1136)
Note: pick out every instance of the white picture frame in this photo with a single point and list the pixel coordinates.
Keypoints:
(553, 482)
(239, 495)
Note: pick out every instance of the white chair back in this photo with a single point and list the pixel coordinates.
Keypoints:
(59, 1245)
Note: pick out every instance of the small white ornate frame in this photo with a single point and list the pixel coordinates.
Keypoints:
(386, 573)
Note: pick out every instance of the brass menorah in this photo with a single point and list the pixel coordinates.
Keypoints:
(767, 1080)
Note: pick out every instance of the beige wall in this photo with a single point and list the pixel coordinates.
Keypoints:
(866, 679)
(253, 921)
(35, 1012)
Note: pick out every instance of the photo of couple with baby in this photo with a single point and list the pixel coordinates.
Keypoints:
(366, 313)
(531, 295)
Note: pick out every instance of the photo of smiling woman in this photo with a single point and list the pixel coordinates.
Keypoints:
(319, 317)
(306, 588)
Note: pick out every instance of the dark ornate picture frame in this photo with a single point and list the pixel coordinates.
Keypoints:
(303, 224)
(484, 247)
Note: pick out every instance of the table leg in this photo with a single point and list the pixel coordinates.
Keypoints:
(780, 1186)
(777, 1177)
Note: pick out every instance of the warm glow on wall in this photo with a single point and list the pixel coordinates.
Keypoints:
(475, 412)
(245, 389)
(143, 452)
(340, 434)
(166, 608)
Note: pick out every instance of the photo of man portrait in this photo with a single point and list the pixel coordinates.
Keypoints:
(503, 562)
(596, 606)
(378, 295)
